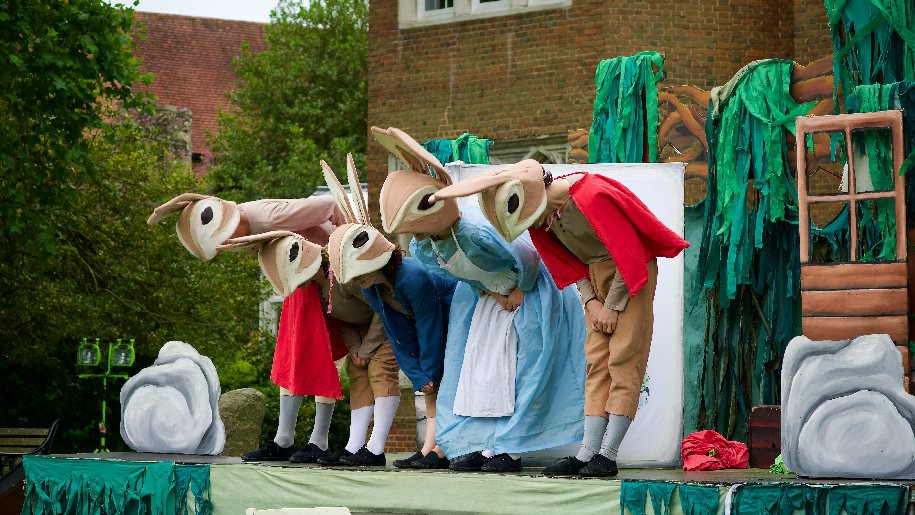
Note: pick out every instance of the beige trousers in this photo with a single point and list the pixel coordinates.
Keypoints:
(616, 362)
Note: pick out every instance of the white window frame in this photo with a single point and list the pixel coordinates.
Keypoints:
(413, 14)
(486, 7)
(437, 14)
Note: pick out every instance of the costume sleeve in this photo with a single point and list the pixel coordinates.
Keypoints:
(585, 290)
(528, 262)
(618, 294)
(305, 213)
(373, 339)
(430, 328)
(349, 335)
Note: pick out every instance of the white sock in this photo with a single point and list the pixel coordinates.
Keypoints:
(595, 427)
(358, 426)
(385, 409)
(488, 453)
(616, 430)
(289, 412)
(323, 414)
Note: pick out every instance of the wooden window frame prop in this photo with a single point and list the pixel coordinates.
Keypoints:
(847, 123)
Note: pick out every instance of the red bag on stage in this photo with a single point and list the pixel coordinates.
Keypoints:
(708, 450)
(303, 361)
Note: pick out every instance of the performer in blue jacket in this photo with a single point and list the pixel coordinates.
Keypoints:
(514, 365)
(412, 303)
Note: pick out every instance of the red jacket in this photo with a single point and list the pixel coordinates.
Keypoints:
(632, 234)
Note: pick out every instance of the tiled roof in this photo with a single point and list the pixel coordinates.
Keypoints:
(192, 61)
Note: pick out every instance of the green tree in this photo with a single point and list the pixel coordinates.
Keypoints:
(302, 99)
(114, 276)
(58, 62)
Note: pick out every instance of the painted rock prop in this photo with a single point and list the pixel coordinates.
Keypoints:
(172, 406)
(844, 410)
(242, 414)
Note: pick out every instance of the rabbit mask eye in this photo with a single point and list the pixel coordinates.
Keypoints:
(513, 203)
(293, 252)
(361, 239)
(206, 216)
(424, 203)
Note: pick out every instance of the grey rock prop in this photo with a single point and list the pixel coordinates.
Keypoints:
(845, 412)
(172, 406)
(242, 412)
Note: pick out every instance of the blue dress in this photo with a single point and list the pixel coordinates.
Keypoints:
(418, 339)
(549, 383)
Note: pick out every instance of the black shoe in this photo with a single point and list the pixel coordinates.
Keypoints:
(570, 466)
(599, 466)
(408, 463)
(311, 453)
(364, 458)
(270, 451)
(431, 461)
(334, 457)
(502, 463)
(468, 462)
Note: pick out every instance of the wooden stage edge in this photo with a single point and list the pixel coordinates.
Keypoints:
(716, 477)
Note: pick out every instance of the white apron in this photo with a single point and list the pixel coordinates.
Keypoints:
(486, 386)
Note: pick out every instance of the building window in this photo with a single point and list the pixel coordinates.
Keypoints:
(419, 13)
(545, 150)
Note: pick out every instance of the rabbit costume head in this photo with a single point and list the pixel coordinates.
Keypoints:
(287, 259)
(512, 199)
(355, 248)
(204, 222)
(405, 195)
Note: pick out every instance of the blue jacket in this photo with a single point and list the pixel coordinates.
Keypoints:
(418, 340)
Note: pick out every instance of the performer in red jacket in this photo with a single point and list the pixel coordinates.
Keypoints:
(592, 231)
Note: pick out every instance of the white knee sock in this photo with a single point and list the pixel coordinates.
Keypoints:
(323, 414)
(616, 430)
(594, 432)
(385, 409)
(289, 412)
(358, 426)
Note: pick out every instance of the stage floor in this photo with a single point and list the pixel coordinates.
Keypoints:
(236, 486)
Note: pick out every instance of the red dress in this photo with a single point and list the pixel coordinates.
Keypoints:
(630, 231)
(303, 361)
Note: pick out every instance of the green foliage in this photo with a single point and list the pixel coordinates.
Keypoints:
(115, 276)
(58, 62)
(301, 100)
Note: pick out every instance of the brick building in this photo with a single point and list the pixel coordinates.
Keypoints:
(191, 59)
(521, 72)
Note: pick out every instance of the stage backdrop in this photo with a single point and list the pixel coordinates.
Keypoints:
(655, 436)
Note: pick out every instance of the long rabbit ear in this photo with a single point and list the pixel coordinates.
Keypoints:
(173, 206)
(253, 242)
(408, 150)
(355, 190)
(472, 185)
(339, 194)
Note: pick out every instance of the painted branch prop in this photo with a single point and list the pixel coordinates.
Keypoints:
(844, 410)
(172, 406)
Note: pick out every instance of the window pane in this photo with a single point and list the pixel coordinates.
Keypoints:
(434, 5)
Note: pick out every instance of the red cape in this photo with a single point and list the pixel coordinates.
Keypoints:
(632, 234)
(306, 347)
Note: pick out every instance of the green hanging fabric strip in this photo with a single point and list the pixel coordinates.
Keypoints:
(626, 104)
(748, 263)
(466, 147)
(873, 42)
(777, 499)
(97, 487)
(698, 499)
(635, 494)
(196, 479)
(867, 499)
(471, 149)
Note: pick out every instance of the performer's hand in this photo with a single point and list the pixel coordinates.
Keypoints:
(606, 320)
(357, 361)
(514, 299)
(501, 299)
(427, 388)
